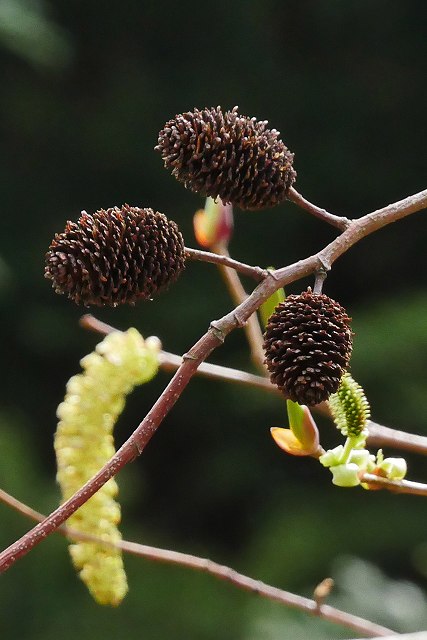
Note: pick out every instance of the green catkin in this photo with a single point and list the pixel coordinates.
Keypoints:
(84, 443)
(349, 407)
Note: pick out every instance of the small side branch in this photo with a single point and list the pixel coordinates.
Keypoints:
(130, 450)
(171, 361)
(418, 635)
(136, 443)
(336, 221)
(239, 580)
(321, 275)
(219, 258)
(237, 293)
(379, 435)
(396, 486)
(385, 436)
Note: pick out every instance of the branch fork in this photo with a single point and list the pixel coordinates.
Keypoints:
(351, 234)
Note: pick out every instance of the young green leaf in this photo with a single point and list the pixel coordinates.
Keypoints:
(267, 308)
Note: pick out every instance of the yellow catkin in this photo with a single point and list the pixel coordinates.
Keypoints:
(84, 443)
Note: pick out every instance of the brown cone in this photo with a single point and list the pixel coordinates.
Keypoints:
(115, 256)
(228, 156)
(308, 343)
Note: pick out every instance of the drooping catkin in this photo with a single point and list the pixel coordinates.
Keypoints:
(84, 443)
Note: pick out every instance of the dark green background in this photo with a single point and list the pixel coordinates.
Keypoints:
(85, 88)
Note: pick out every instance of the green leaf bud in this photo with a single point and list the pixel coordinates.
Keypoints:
(394, 468)
(267, 308)
(345, 475)
(332, 457)
(364, 460)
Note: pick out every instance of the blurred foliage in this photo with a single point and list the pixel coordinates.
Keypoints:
(86, 88)
(27, 32)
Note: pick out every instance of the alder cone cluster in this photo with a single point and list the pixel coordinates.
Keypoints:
(308, 343)
(229, 156)
(115, 256)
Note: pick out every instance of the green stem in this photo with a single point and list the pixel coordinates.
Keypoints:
(348, 448)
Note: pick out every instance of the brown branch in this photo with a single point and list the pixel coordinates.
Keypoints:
(418, 635)
(252, 327)
(171, 361)
(396, 486)
(336, 221)
(312, 607)
(379, 435)
(385, 436)
(89, 322)
(213, 338)
(225, 260)
(371, 222)
(127, 452)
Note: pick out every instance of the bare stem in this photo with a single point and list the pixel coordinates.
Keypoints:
(224, 260)
(418, 635)
(213, 338)
(89, 322)
(336, 221)
(385, 436)
(379, 435)
(238, 295)
(320, 279)
(130, 450)
(312, 607)
(396, 486)
(171, 361)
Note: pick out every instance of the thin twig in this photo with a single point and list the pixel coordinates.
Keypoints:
(252, 328)
(336, 221)
(225, 260)
(371, 222)
(379, 435)
(239, 580)
(418, 635)
(212, 339)
(320, 279)
(396, 486)
(89, 322)
(171, 361)
(385, 436)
